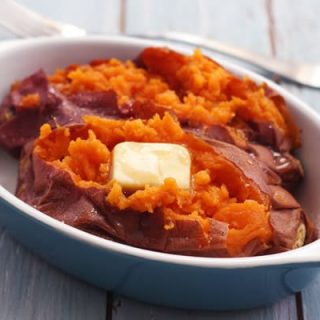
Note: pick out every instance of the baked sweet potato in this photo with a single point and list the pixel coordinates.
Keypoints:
(229, 211)
(240, 134)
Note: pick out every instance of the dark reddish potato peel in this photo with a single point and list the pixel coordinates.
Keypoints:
(259, 149)
(52, 190)
(18, 125)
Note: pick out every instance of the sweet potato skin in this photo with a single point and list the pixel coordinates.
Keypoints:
(18, 124)
(52, 191)
(264, 150)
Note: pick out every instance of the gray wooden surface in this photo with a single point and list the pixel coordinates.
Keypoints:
(288, 29)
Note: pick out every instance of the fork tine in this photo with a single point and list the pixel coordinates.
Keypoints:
(32, 24)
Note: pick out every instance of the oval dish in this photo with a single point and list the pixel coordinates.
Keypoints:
(153, 277)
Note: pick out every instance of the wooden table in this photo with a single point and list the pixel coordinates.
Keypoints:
(288, 29)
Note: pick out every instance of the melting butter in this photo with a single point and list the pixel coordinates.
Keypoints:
(136, 164)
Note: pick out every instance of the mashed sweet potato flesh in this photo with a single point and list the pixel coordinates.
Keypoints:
(195, 87)
(30, 101)
(218, 190)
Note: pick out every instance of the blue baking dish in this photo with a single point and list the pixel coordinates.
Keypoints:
(153, 277)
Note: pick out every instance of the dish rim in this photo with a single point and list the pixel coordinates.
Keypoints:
(306, 254)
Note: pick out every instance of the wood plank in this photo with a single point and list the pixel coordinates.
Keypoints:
(129, 309)
(310, 300)
(245, 24)
(31, 289)
(95, 16)
(297, 29)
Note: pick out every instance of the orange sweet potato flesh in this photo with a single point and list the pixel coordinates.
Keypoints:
(198, 76)
(81, 155)
(232, 208)
(247, 222)
(197, 89)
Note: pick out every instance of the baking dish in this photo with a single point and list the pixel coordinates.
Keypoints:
(159, 278)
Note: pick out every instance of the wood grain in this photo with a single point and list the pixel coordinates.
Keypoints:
(32, 290)
(129, 309)
(297, 29)
(244, 25)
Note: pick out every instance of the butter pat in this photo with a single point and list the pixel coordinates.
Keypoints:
(136, 164)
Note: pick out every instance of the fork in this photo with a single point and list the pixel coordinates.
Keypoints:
(24, 22)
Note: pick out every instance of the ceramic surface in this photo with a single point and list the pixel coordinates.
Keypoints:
(180, 281)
